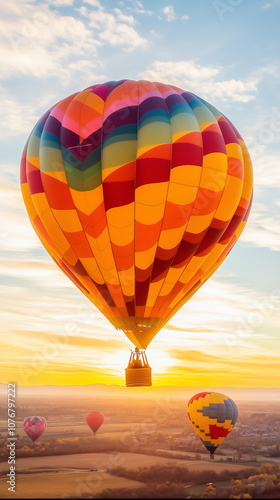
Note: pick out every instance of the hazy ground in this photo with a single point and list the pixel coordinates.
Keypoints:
(64, 484)
(69, 461)
(52, 477)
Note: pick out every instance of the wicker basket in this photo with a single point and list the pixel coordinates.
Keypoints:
(137, 377)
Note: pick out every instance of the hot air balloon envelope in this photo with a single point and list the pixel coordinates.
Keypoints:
(213, 417)
(34, 427)
(138, 191)
(94, 420)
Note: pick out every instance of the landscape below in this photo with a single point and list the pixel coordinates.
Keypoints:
(146, 447)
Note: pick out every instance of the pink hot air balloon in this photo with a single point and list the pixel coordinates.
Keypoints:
(34, 427)
(94, 420)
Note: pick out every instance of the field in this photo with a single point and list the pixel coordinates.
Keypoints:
(65, 475)
(104, 461)
(63, 484)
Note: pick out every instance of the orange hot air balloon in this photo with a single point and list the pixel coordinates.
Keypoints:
(138, 191)
(94, 420)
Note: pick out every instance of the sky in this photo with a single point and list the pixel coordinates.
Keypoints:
(227, 52)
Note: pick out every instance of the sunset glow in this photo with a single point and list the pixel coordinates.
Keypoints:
(227, 335)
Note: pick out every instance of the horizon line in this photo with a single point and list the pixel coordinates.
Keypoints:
(151, 387)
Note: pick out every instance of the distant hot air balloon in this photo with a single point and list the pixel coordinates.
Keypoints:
(34, 427)
(94, 420)
(213, 417)
(138, 190)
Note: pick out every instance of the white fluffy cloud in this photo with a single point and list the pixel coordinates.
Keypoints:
(123, 17)
(169, 13)
(93, 3)
(113, 30)
(41, 42)
(204, 80)
(170, 71)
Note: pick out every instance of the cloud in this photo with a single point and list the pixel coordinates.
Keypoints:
(169, 13)
(16, 232)
(266, 171)
(156, 35)
(17, 117)
(37, 339)
(218, 320)
(42, 42)
(185, 18)
(115, 33)
(138, 8)
(236, 90)
(180, 69)
(202, 362)
(262, 228)
(87, 70)
(194, 356)
(93, 3)
(202, 358)
(200, 369)
(61, 3)
(32, 269)
(190, 330)
(106, 344)
(203, 80)
(267, 5)
(124, 18)
(263, 132)
(15, 7)
(123, 35)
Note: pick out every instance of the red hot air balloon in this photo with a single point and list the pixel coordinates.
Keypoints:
(94, 420)
(34, 427)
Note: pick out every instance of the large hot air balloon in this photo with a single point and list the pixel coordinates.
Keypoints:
(94, 420)
(138, 190)
(213, 417)
(34, 427)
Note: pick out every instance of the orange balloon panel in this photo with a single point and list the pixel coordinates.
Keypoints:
(138, 191)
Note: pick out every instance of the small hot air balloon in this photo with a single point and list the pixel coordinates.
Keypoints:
(34, 427)
(94, 420)
(138, 190)
(213, 417)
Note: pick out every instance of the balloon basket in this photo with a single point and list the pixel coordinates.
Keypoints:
(138, 372)
(212, 457)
